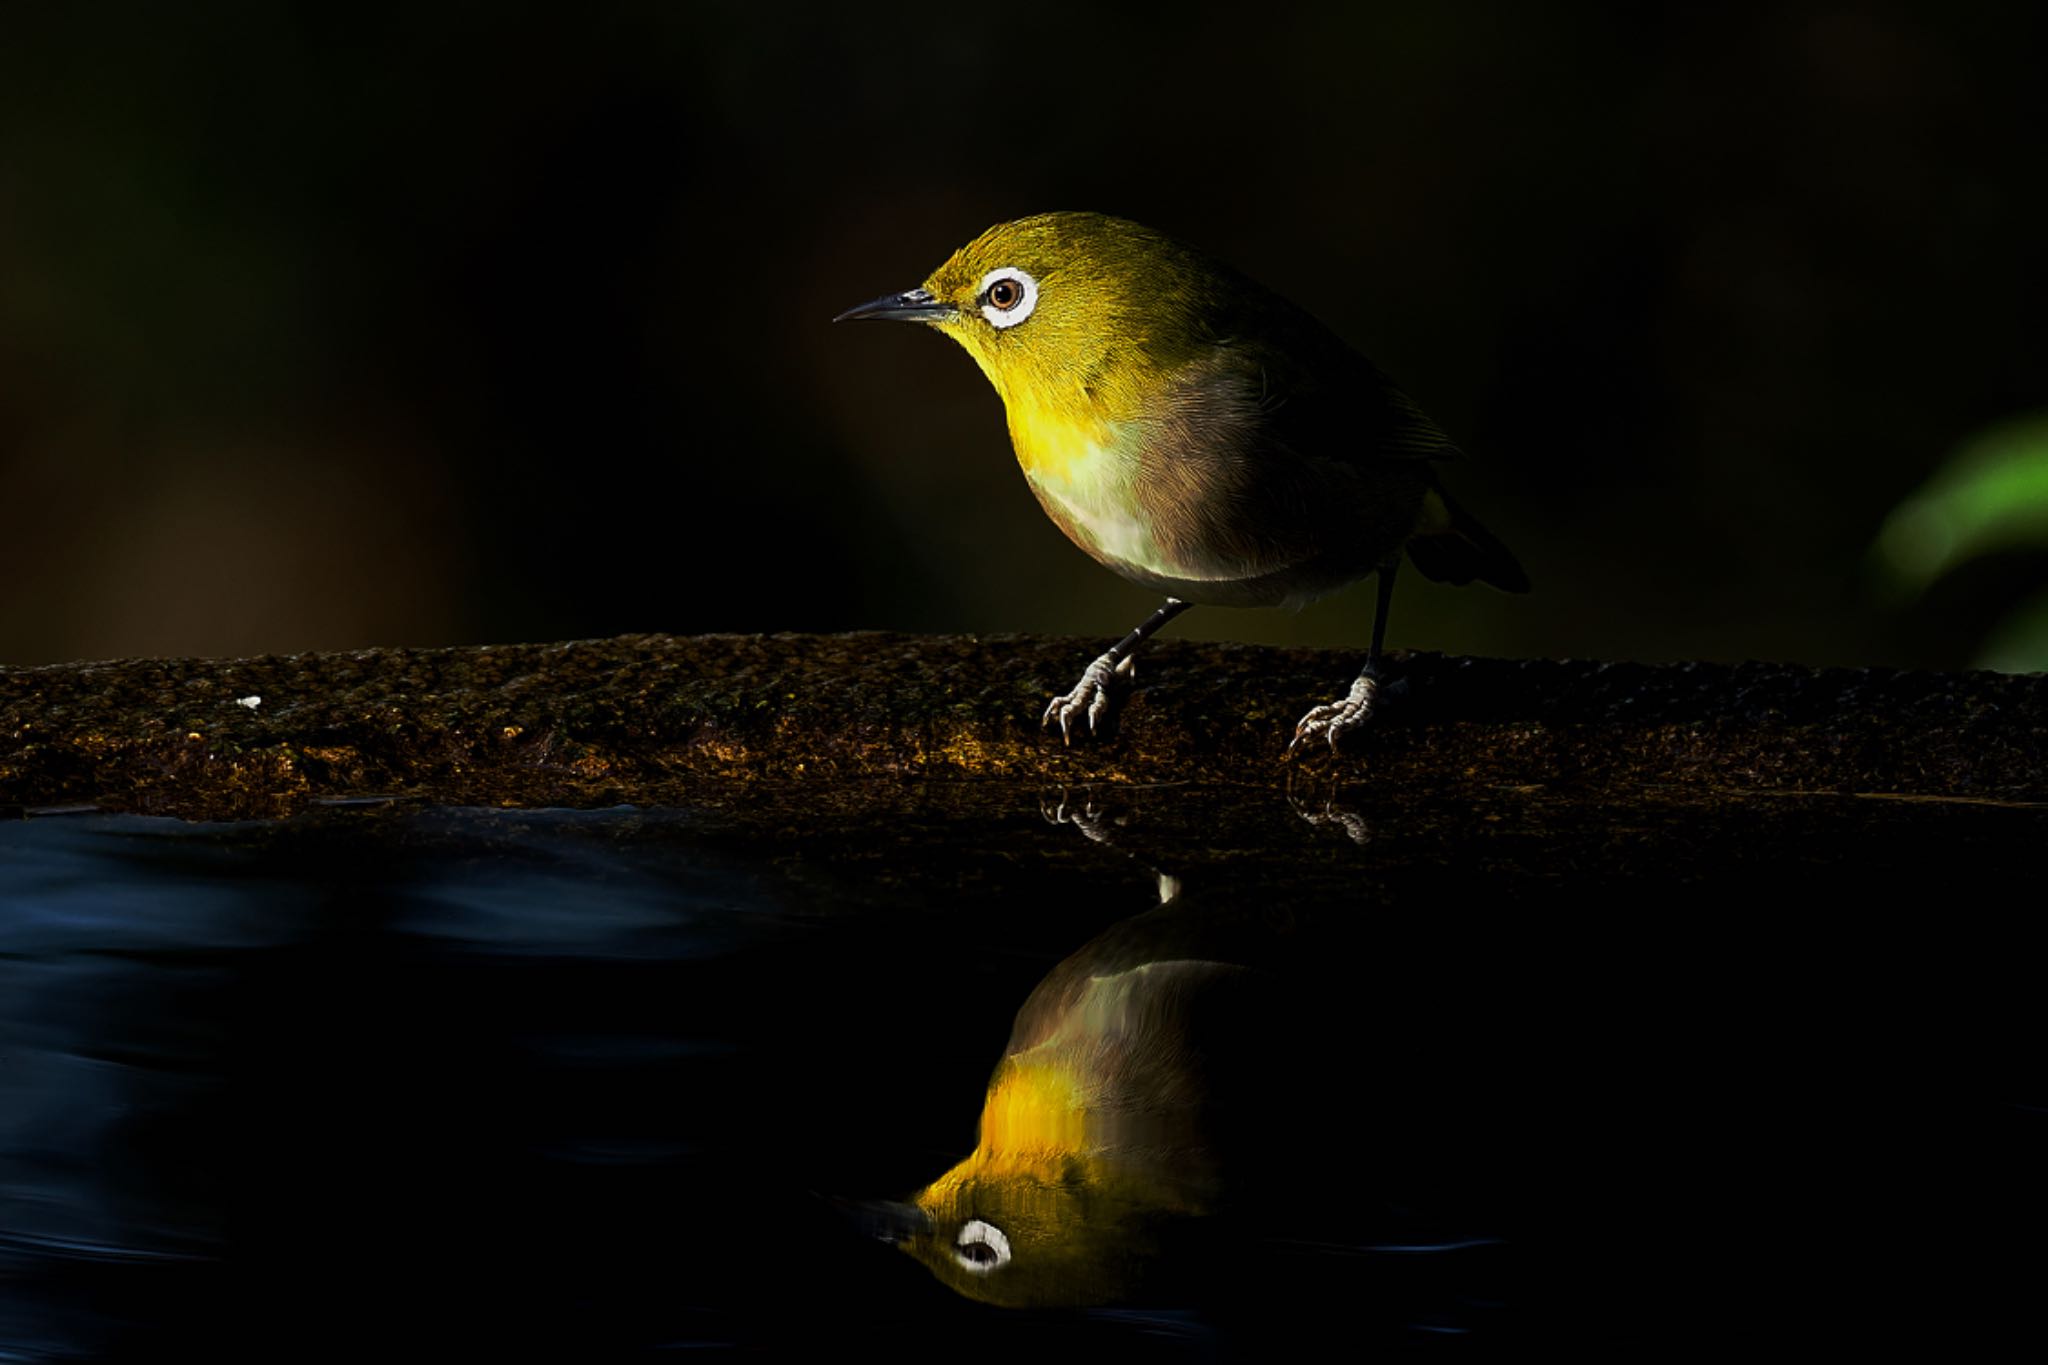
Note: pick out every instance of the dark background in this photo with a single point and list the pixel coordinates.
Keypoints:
(382, 324)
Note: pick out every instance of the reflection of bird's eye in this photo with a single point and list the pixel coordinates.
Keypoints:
(981, 1247)
(1004, 294)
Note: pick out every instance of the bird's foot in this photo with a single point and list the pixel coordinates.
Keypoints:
(1342, 817)
(1089, 698)
(1089, 818)
(1338, 718)
(1314, 799)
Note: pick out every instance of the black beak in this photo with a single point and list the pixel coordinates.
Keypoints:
(883, 1219)
(916, 305)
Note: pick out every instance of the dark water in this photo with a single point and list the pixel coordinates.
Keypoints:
(593, 1085)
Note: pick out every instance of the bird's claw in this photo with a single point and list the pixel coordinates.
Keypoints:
(1343, 817)
(1303, 796)
(1089, 818)
(1090, 697)
(1060, 813)
(1338, 718)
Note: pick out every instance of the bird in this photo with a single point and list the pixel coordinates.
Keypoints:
(1200, 1092)
(1099, 1155)
(1093, 1165)
(1199, 435)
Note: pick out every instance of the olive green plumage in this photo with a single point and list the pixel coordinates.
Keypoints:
(1194, 431)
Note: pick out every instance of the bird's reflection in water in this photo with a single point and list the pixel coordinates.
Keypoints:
(1170, 1087)
(1096, 1136)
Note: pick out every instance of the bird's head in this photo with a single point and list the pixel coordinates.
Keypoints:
(1064, 300)
(1056, 1230)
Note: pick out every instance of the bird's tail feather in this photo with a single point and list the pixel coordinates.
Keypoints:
(1452, 547)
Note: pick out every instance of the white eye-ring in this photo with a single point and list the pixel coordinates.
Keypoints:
(981, 1247)
(1007, 295)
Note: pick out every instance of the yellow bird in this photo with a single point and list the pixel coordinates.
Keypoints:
(1098, 1152)
(1217, 1094)
(1198, 434)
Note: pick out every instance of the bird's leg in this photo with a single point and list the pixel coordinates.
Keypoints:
(1339, 718)
(1090, 696)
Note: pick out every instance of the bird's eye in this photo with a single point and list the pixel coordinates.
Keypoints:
(1007, 296)
(981, 1247)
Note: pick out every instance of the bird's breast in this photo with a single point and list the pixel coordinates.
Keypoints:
(1086, 471)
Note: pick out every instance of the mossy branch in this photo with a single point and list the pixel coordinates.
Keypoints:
(651, 719)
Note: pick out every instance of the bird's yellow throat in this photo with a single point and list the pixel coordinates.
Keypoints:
(1065, 435)
(1062, 447)
(1034, 1106)
(1032, 1124)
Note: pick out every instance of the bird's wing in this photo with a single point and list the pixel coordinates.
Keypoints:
(1322, 399)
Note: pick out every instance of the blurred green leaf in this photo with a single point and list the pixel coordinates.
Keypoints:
(1992, 494)
(2019, 643)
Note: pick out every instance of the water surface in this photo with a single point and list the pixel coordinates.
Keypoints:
(617, 1083)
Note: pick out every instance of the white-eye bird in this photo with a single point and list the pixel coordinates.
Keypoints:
(1100, 1147)
(1198, 434)
(1203, 1093)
